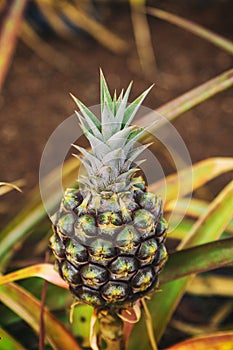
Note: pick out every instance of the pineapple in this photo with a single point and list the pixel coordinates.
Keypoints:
(109, 232)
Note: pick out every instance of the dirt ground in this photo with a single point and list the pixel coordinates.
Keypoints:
(35, 98)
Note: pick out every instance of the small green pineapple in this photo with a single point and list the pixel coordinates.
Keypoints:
(109, 232)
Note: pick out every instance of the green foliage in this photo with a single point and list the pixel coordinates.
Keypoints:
(28, 308)
(207, 228)
(201, 247)
(8, 342)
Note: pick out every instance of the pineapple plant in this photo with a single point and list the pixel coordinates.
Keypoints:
(109, 232)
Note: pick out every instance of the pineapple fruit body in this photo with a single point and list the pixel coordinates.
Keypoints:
(112, 255)
(109, 232)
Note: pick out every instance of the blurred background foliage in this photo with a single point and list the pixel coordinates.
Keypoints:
(49, 48)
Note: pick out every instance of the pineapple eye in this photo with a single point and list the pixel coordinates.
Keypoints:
(123, 266)
(87, 224)
(102, 250)
(108, 231)
(110, 218)
(57, 246)
(143, 279)
(144, 219)
(129, 202)
(65, 225)
(109, 203)
(87, 295)
(128, 239)
(148, 200)
(147, 250)
(93, 275)
(115, 291)
(70, 273)
(162, 257)
(161, 227)
(157, 209)
(76, 252)
(72, 198)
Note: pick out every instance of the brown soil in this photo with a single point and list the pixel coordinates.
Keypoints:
(35, 99)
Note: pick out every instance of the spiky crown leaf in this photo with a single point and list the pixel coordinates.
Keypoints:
(111, 162)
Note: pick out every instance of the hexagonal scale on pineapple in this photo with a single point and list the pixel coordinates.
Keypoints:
(147, 251)
(123, 267)
(109, 204)
(65, 225)
(87, 295)
(81, 237)
(70, 273)
(102, 251)
(128, 199)
(110, 218)
(156, 211)
(143, 219)
(148, 200)
(128, 240)
(162, 256)
(138, 182)
(143, 279)
(108, 231)
(87, 224)
(57, 246)
(115, 291)
(76, 253)
(93, 275)
(161, 227)
(72, 198)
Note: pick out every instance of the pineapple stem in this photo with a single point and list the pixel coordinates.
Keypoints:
(110, 334)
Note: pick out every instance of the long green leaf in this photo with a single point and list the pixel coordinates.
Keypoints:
(176, 107)
(196, 207)
(194, 28)
(7, 342)
(32, 213)
(203, 172)
(194, 97)
(181, 231)
(207, 228)
(28, 308)
(198, 259)
(212, 223)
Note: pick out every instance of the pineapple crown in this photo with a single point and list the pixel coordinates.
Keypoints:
(111, 162)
